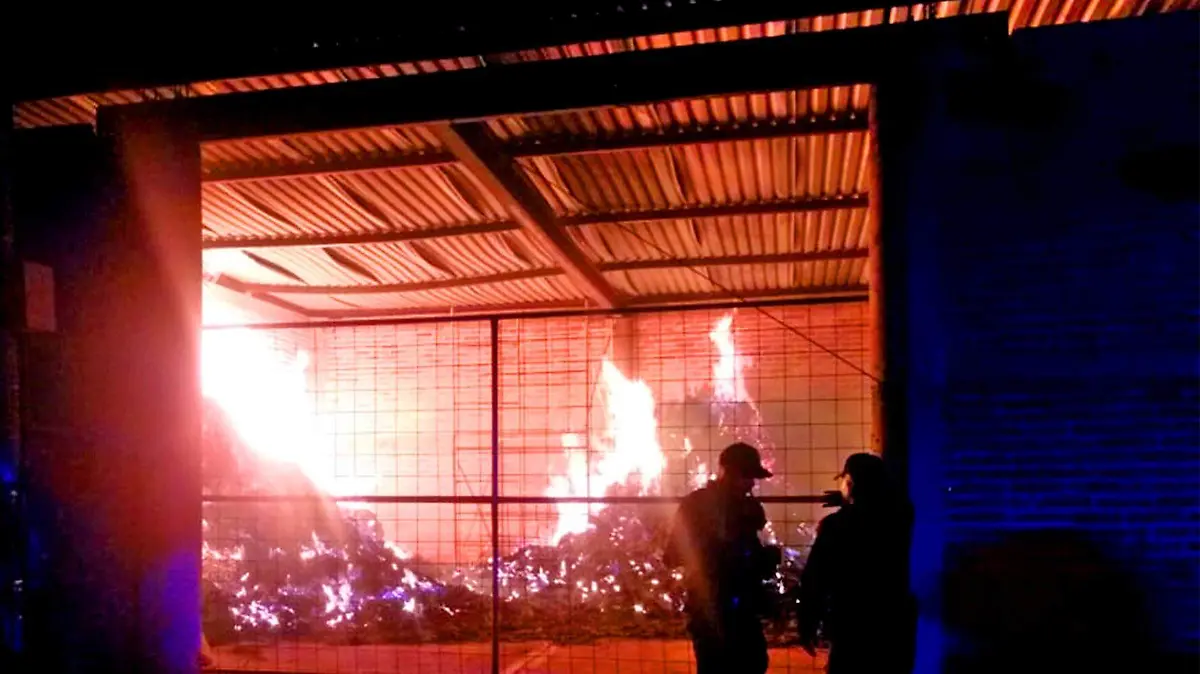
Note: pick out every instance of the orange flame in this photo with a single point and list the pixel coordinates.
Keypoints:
(729, 382)
(628, 449)
(264, 393)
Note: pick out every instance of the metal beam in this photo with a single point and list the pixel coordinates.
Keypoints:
(115, 57)
(343, 240)
(803, 205)
(567, 144)
(440, 284)
(547, 146)
(481, 310)
(367, 164)
(847, 292)
(268, 309)
(247, 291)
(475, 147)
(260, 290)
(819, 59)
(734, 260)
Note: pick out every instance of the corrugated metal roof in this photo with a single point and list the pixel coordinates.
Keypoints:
(735, 172)
(725, 236)
(640, 258)
(530, 291)
(1022, 14)
(657, 117)
(352, 203)
(317, 147)
(742, 280)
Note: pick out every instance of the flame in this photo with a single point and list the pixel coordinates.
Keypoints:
(628, 451)
(729, 382)
(264, 393)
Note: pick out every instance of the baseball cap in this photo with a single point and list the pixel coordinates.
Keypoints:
(744, 460)
(863, 465)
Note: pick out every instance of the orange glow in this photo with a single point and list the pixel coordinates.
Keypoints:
(626, 452)
(265, 395)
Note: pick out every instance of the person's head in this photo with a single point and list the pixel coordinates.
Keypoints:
(741, 465)
(864, 477)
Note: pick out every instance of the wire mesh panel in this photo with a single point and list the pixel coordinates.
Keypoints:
(353, 522)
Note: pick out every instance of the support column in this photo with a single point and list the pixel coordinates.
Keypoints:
(141, 332)
(875, 289)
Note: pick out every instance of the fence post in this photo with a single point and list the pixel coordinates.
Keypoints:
(495, 374)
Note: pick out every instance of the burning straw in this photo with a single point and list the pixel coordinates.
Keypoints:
(328, 573)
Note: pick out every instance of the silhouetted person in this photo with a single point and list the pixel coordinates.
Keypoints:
(855, 583)
(715, 538)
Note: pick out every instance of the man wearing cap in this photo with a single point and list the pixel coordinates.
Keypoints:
(855, 583)
(715, 538)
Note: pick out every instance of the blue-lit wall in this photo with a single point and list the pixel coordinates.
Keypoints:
(1041, 240)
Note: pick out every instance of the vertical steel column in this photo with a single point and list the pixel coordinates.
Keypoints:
(875, 289)
(495, 367)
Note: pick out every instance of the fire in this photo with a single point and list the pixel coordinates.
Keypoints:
(629, 451)
(729, 382)
(628, 448)
(264, 393)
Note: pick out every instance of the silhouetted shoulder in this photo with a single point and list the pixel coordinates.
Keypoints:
(697, 500)
(832, 522)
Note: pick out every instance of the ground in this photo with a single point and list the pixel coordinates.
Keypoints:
(605, 657)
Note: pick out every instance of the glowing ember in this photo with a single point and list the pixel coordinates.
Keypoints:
(628, 451)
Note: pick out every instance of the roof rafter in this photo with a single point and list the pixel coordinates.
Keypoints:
(498, 173)
(548, 146)
(529, 274)
(800, 205)
(848, 292)
(735, 260)
(343, 240)
(386, 161)
(381, 288)
(642, 302)
(673, 136)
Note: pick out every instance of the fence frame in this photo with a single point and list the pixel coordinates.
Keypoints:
(495, 499)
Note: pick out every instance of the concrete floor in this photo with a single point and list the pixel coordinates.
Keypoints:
(604, 657)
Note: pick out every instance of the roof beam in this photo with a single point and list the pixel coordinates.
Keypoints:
(366, 164)
(802, 205)
(344, 240)
(498, 173)
(848, 292)
(115, 57)
(268, 308)
(547, 146)
(419, 286)
(260, 289)
(246, 290)
(820, 59)
(567, 144)
(469, 310)
(734, 260)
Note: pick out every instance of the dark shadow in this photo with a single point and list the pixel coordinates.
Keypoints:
(1048, 601)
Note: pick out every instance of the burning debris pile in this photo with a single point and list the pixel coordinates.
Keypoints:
(606, 582)
(314, 569)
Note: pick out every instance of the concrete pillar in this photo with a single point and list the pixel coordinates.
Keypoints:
(140, 334)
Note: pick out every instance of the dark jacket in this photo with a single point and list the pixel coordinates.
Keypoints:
(855, 582)
(715, 538)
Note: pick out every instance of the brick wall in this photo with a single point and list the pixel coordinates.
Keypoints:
(408, 406)
(1048, 283)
